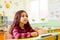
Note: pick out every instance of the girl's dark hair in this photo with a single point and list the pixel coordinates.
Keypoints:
(16, 20)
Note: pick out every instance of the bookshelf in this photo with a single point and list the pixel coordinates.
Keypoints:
(3, 21)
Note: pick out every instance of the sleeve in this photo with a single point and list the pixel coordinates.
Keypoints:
(17, 35)
(31, 29)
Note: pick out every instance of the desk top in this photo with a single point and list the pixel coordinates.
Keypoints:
(25, 39)
(39, 37)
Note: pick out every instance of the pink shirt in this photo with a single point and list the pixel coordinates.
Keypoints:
(22, 33)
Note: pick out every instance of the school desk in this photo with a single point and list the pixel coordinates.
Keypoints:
(1, 35)
(49, 36)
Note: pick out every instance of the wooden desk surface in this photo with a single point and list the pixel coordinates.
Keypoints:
(36, 38)
(1, 35)
(23, 39)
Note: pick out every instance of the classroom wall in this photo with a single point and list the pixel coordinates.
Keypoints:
(45, 9)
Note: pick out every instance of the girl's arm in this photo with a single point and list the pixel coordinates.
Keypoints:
(33, 32)
(20, 35)
(30, 29)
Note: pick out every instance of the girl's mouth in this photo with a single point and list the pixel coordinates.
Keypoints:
(25, 20)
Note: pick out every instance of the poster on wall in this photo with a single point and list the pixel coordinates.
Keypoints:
(54, 9)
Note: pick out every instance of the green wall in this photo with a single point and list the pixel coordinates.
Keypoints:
(51, 23)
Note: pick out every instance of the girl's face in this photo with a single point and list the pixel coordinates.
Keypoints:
(24, 18)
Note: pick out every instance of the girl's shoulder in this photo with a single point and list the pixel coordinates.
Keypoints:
(16, 27)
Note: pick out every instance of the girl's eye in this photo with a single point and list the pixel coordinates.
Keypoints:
(23, 16)
(26, 16)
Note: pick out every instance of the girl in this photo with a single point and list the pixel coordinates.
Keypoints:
(21, 27)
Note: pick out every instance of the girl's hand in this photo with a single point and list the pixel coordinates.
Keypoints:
(34, 34)
(42, 31)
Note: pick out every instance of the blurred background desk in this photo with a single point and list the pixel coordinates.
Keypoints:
(1, 35)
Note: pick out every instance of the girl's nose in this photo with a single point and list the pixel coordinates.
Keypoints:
(25, 17)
